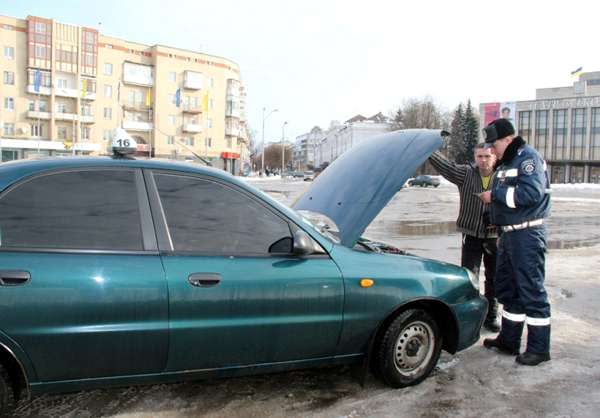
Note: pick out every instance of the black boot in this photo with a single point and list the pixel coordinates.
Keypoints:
(491, 319)
(500, 346)
(532, 359)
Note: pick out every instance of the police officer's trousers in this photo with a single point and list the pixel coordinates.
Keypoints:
(520, 288)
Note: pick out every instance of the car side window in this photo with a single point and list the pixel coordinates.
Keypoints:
(91, 210)
(209, 218)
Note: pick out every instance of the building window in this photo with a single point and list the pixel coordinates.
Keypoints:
(211, 104)
(31, 105)
(62, 83)
(85, 133)
(86, 110)
(172, 119)
(43, 106)
(195, 102)
(189, 141)
(559, 134)
(108, 68)
(9, 103)
(37, 129)
(107, 90)
(595, 139)
(212, 82)
(209, 122)
(62, 132)
(541, 131)
(108, 113)
(9, 77)
(170, 140)
(525, 125)
(61, 108)
(578, 134)
(107, 135)
(173, 76)
(9, 129)
(229, 142)
(9, 52)
(208, 142)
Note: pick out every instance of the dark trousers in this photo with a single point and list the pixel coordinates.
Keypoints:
(473, 250)
(520, 288)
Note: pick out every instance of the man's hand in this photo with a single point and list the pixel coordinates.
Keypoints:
(486, 197)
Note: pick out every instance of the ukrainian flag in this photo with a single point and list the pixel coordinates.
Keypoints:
(577, 72)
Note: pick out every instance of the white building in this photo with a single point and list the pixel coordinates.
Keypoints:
(339, 138)
(304, 149)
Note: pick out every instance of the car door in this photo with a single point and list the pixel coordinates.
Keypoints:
(82, 288)
(236, 294)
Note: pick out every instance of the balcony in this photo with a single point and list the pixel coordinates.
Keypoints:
(232, 131)
(86, 118)
(65, 116)
(232, 113)
(192, 80)
(32, 114)
(44, 91)
(65, 92)
(192, 110)
(137, 126)
(192, 128)
(136, 107)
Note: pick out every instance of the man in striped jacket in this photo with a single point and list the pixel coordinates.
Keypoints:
(478, 237)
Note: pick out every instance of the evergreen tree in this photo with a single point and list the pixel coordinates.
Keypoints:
(471, 132)
(397, 120)
(456, 143)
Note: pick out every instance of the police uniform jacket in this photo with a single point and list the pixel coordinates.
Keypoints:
(520, 186)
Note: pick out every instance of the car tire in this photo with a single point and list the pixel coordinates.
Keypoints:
(409, 349)
(7, 396)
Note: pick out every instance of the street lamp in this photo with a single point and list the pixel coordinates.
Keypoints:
(262, 164)
(282, 146)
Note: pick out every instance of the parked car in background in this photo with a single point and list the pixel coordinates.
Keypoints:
(118, 271)
(309, 175)
(424, 181)
(298, 174)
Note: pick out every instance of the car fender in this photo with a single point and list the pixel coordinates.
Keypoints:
(25, 366)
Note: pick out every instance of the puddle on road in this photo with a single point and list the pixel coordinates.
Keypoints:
(559, 236)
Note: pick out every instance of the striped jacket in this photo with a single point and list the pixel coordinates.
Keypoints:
(472, 209)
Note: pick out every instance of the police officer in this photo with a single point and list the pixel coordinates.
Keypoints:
(520, 202)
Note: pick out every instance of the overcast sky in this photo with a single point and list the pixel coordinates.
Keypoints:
(318, 61)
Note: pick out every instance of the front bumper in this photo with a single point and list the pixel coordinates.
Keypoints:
(470, 316)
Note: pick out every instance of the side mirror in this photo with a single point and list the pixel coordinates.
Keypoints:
(303, 244)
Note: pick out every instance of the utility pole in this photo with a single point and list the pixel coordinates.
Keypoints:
(283, 147)
(262, 164)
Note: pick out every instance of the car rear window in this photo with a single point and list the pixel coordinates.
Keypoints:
(92, 209)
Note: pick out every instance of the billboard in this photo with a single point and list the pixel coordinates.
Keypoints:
(506, 110)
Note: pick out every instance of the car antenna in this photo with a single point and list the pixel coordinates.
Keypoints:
(204, 160)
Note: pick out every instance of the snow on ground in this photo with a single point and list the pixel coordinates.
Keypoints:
(473, 383)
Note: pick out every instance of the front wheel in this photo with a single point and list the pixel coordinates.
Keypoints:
(410, 349)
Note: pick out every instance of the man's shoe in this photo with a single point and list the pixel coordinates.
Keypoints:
(532, 359)
(491, 325)
(500, 346)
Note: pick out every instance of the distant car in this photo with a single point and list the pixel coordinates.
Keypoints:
(298, 174)
(117, 271)
(424, 181)
(309, 175)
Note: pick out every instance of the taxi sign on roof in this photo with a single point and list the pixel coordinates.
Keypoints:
(123, 143)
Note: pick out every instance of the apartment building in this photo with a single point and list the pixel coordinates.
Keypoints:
(563, 124)
(65, 89)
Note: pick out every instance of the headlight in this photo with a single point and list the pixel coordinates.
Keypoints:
(473, 278)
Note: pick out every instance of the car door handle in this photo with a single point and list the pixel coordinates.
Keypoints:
(204, 279)
(14, 277)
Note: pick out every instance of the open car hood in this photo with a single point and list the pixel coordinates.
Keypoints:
(357, 186)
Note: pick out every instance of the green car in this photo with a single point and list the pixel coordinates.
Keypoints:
(116, 271)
